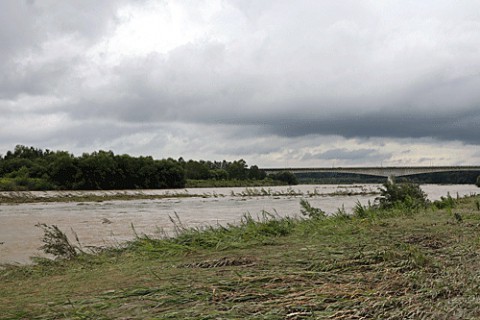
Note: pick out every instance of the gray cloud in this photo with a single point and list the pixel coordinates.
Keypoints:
(263, 72)
(349, 156)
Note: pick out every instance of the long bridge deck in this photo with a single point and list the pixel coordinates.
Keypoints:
(378, 171)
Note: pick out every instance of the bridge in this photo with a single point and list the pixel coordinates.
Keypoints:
(388, 172)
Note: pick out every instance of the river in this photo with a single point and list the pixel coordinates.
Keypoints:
(110, 223)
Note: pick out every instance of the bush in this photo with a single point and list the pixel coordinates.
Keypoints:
(478, 181)
(406, 194)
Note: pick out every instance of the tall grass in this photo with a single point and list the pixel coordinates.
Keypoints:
(311, 212)
(248, 232)
(56, 242)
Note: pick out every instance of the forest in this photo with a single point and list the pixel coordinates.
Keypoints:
(29, 168)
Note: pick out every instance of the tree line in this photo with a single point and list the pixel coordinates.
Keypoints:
(29, 168)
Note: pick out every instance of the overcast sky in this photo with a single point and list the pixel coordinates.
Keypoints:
(277, 83)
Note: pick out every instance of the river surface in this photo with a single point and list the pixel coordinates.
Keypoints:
(110, 223)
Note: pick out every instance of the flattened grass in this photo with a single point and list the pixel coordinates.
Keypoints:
(389, 264)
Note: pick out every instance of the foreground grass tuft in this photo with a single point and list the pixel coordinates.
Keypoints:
(379, 263)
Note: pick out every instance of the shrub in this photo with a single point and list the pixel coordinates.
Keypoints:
(406, 194)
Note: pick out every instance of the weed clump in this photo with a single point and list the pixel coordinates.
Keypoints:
(56, 243)
(311, 212)
(361, 211)
(445, 202)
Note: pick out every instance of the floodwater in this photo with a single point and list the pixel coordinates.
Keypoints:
(110, 223)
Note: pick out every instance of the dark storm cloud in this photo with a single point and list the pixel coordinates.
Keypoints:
(348, 155)
(462, 126)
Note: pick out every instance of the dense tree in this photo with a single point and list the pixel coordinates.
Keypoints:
(197, 170)
(218, 174)
(97, 171)
(28, 168)
(63, 170)
(286, 176)
(237, 170)
(171, 173)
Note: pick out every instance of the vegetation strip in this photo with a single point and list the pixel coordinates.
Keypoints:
(403, 258)
(27, 197)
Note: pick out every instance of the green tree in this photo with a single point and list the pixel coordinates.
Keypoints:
(286, 177)
(255, 173)
(218, 174)
(127, 172)
(237, 170)
(63, 170)
(97, 170)
(171, 173)
(24, 152)
(197, 170)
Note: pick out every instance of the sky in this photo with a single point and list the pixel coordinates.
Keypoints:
(278, 83)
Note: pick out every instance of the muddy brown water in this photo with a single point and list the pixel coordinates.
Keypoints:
(111, 223)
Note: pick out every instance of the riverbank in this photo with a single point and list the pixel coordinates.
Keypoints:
(391, 264)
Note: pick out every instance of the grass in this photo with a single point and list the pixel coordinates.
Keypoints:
(376, 264)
